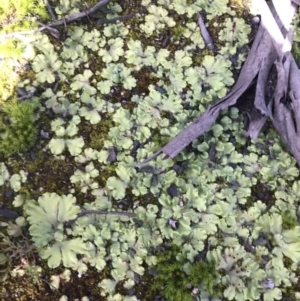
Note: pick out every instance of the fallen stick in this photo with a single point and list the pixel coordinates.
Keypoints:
(53, 31)
(78, 16)
(48, 26)
(50, 10)
(205, 34)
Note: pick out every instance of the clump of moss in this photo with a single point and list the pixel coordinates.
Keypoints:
(19, 15)
(13, 11)
(289, 220)
(8, 80)
(175, 285)
(296, 52)
(18, 130)
(178, 32)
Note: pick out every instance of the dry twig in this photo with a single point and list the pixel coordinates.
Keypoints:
(205, 34)
(49, 26)
(50, 10)
(80, 15)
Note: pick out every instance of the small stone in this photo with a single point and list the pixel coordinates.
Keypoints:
(32, 155)
(173, 223)
(255, 20)
(154, 180)
(45, 134)
(112, 156)
(268, 283)
(173, 190)
(9, 193)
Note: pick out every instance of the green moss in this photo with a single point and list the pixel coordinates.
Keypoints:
(8, 81)
(13, 11)
(289, 220)
(48, 173)
(197, 60)
(20, 15)
(241, 8)
(175, 285)
(158, 139)
(97, 134)
(296, 51)
(18, 129)
(177, 32)
(10, 47)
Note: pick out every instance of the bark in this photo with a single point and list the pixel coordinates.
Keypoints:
(205, 34)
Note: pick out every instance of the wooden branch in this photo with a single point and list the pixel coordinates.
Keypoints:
(263, 74)
(256, 122)
(53, 31)
(286, 120)
(50, 10)
(205, 34)
(78, 16)
(271, 20)
(48, 26)
(24, 95)
(141, 164)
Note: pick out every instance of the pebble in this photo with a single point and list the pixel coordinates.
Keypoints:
(9, 193)
(45, 134)
(8, 213)
(255, 20)
(268, 283)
